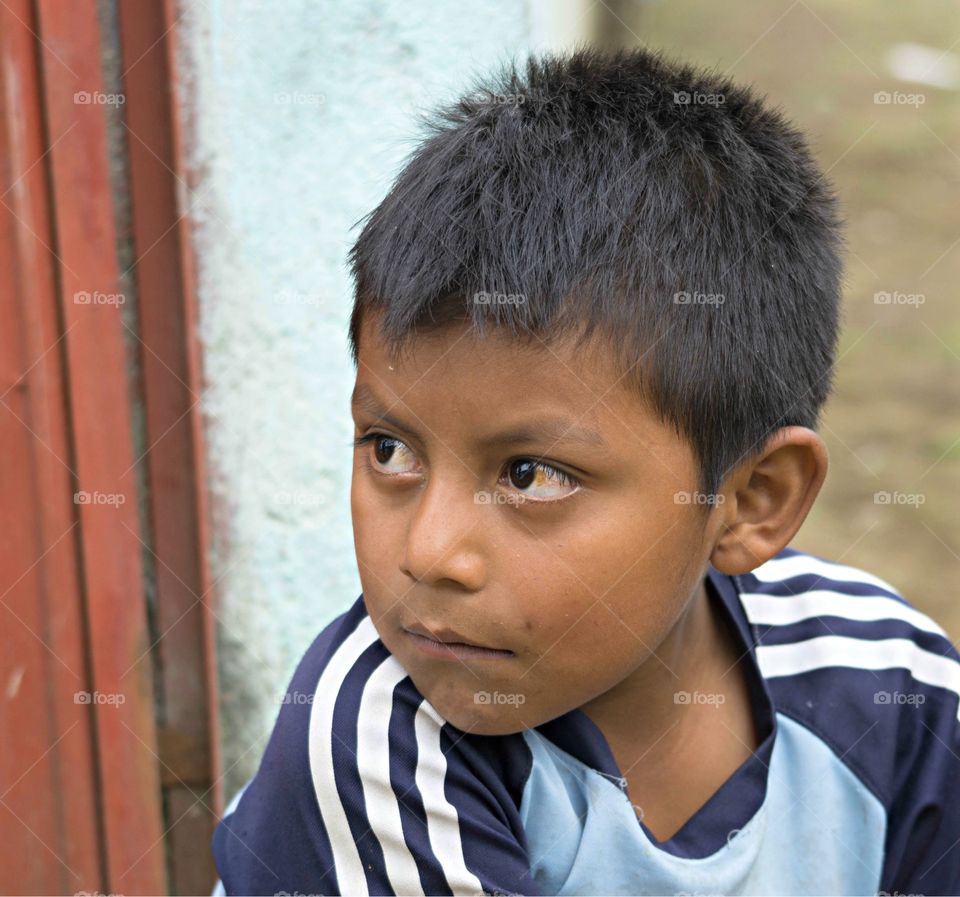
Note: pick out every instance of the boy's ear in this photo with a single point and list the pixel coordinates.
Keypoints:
(767, 498)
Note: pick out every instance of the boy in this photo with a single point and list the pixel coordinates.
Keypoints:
(594, 326)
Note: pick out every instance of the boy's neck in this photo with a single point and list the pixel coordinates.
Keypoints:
(673, 755)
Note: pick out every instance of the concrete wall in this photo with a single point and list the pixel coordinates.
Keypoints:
(297, 118)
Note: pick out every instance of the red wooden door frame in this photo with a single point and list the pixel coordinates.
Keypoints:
(83, 785)
(46, 735)
(172, 383)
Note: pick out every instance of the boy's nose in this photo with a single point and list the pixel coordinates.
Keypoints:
(445, 537)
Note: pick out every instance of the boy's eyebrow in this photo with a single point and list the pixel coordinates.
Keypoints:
(553, 429)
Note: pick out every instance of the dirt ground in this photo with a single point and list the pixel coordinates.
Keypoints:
(892, 425)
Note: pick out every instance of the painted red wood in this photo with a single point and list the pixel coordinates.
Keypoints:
(169, 356)
(50, 841)
(99, 415)
(81, 781)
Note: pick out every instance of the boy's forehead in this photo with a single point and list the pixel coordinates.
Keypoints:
(449, 360)
(496, 377)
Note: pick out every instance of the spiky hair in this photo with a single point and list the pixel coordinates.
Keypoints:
(659, 205)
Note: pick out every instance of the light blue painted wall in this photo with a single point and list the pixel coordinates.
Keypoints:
(297, 117)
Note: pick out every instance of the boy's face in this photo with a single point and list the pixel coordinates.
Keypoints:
(576, 571)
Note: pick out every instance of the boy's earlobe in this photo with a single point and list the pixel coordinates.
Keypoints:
(768, 499)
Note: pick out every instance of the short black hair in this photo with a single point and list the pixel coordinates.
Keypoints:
(621, 192)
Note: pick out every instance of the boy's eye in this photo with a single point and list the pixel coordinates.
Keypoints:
(540, 481)
(390, 454)
(533, 479)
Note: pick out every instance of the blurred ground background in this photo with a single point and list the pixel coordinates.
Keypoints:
(892, 426)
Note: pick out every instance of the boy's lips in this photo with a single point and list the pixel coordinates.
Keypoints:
(443, 641)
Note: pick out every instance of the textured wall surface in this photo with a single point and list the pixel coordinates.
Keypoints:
(297, 118)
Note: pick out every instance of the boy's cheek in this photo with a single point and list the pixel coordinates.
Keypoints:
(492, 705)
(559, 666)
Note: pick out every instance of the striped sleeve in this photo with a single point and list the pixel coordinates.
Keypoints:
(923, 837)
(364, 789)
(848, 656)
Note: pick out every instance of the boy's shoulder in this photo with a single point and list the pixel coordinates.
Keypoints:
(397, 799)
(827, 634)
(843, 652)
(846, 656)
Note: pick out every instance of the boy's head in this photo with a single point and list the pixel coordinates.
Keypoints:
(627, 245)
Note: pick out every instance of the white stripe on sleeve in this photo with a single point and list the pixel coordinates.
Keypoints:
(373, 761)
(346, 857)
(881, 654)
(443, 821)
(801, 564)
(781, 610)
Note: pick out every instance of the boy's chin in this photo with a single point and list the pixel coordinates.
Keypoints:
(498, 722)
(482, 716)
